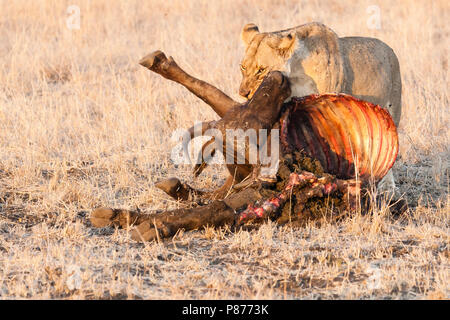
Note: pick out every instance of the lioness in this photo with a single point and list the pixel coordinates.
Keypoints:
(316, 60)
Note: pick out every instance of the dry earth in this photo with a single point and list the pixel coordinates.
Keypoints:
(83, 125)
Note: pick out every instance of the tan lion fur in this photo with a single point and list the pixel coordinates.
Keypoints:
(316, 60)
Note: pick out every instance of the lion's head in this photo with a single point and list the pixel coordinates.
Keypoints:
(264, 52)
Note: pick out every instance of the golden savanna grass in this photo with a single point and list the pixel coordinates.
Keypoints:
(83, 125)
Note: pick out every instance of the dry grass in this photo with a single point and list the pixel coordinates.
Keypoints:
(82, 125)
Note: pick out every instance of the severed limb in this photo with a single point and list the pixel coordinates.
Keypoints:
(166, 224)
(168, 68)
(104, 217)
(251, 205)
(184, 192)
(178, 190)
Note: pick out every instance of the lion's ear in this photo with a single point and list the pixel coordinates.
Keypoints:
(285, 44)
(248, 32)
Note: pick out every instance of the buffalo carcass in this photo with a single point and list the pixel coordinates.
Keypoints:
(329, 146)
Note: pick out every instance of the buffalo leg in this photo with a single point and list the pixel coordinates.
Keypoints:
(167, 67)
(248, 205)
(178, 190)
(184, 192)
(104, 217)
(166, 224)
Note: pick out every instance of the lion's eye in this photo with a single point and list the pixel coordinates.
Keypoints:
(260, 70)
(242, 67)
